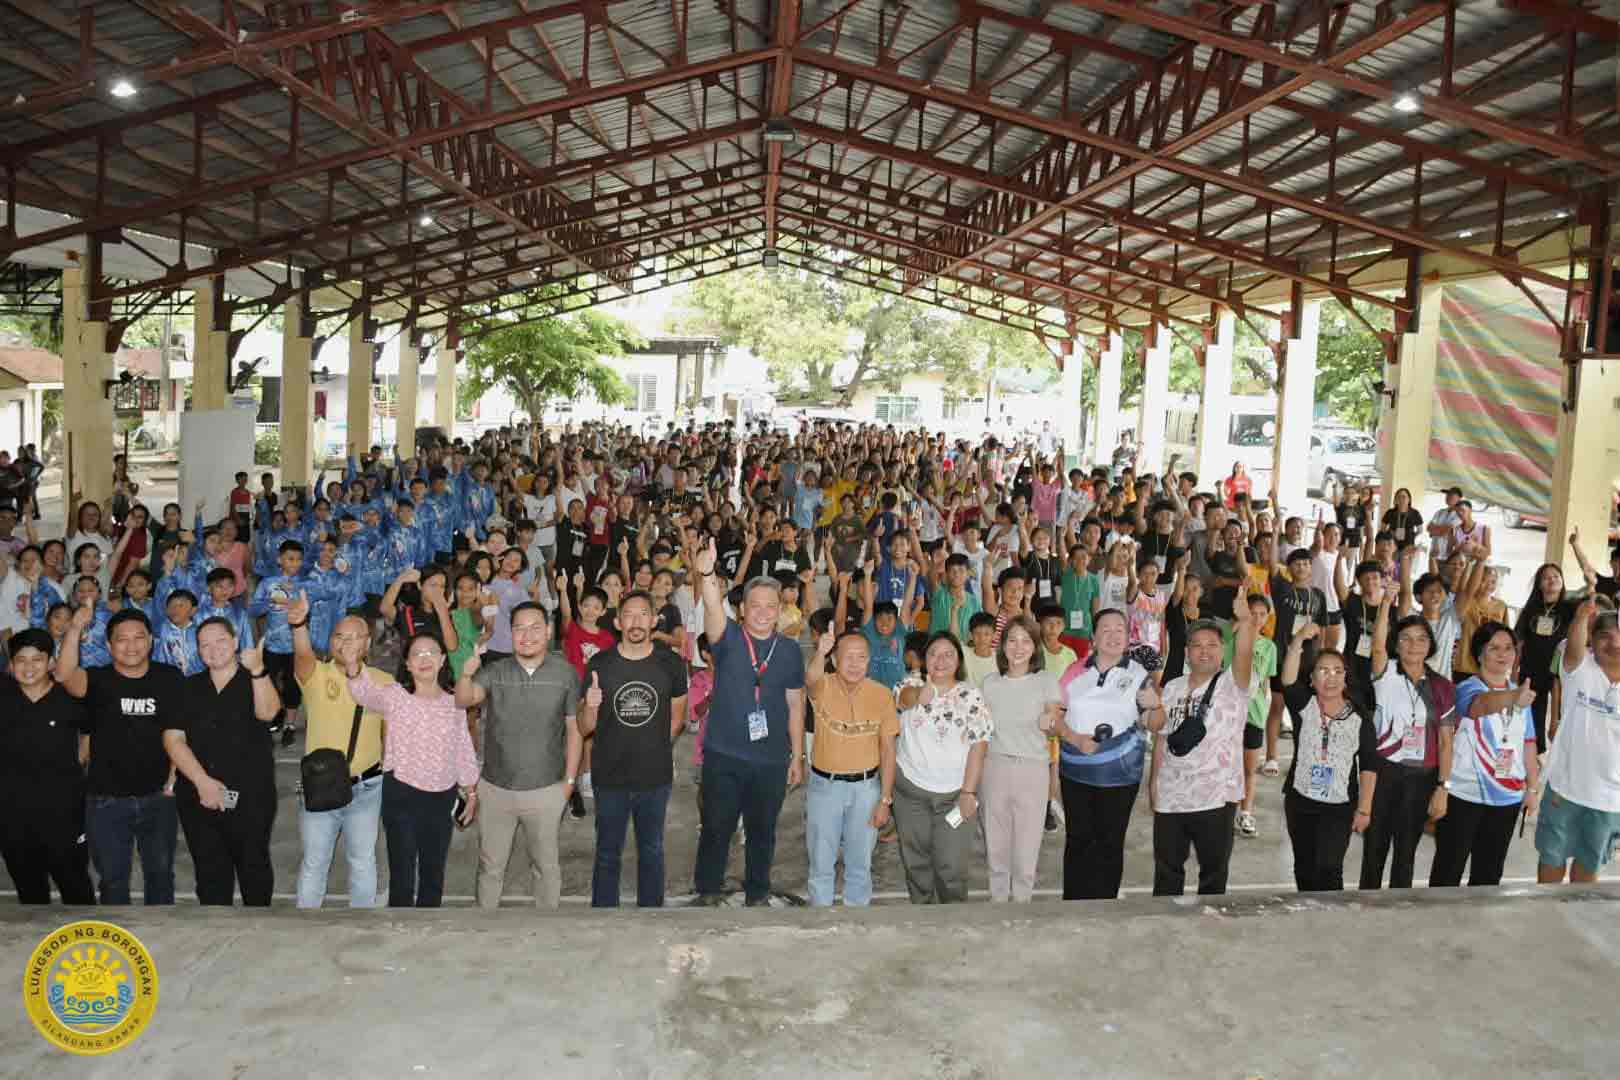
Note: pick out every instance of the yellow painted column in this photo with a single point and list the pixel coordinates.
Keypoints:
(209, 363)
(359, 390)
(297, 400)
(87, 412)
(444, 390)
(1403, 429)
(1586, 467)
(410, 365)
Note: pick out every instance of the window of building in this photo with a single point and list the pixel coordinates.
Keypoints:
(645, 390)
(897, 408)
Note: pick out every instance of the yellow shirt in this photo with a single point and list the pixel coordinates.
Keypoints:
(330, 713)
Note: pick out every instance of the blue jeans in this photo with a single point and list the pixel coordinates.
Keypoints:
(616, 808)
(318, 832)
(115, 825)
(734, 788)
(837, 816)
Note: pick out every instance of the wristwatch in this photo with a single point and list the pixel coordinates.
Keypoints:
(888, 800)
(1446, 784)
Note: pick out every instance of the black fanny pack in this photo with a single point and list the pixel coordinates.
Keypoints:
(1191, 731)
(327, 782)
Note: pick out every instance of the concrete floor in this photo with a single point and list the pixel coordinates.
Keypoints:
(1414, 985)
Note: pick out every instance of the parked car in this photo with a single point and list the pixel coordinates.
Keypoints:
(1340, 457)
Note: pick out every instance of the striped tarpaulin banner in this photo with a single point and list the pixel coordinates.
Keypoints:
(1497, 387)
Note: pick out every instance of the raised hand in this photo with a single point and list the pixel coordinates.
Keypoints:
(824, 644)
(82, 618)
(253, 659)
(1527, 696)
(298, 608)
(1147, 698)
(593, 695)
(470, 666)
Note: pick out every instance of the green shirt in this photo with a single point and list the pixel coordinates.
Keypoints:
(939, 609)
(1079, 590)
(1263, 667)
(466, 639)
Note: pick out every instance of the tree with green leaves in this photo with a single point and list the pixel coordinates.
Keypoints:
(810, 329)
(550, 359)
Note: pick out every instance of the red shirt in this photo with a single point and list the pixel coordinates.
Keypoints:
(1235, 486)
(580, 644)
(599, 519)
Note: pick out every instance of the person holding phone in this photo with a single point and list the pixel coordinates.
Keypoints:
(428, 760)
(225, 794)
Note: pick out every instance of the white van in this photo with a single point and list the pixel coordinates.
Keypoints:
(1251, 438)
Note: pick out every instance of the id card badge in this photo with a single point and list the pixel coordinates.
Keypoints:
(1400, 532)
(1544, 626)
(1415, 742)
(757, 726)
(1364, 645)
(1044, 588)
(231, 799)
(954, 818)
(1077, 620)
(1321, 781)
(1503, 764)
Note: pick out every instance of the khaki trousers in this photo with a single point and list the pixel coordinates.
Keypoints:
(500, 812)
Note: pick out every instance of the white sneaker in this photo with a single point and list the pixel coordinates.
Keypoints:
(585, 789)
(1246, 825)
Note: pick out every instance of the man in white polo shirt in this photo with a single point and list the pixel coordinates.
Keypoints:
(1579, 826)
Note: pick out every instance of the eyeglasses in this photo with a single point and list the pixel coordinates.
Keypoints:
(426, 654)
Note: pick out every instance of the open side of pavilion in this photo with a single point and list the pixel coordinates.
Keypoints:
(1073, 169)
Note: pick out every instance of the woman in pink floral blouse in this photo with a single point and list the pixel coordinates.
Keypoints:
(428, 756)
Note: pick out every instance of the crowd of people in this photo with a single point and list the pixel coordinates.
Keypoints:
(943, 644)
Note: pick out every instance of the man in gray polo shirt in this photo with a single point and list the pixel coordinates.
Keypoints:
(532, 748)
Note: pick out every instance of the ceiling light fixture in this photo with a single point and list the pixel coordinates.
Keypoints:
(425, 220)
(770, 260)
(1466, 233)
(778, 130)
(1407, 102)
(123, 88)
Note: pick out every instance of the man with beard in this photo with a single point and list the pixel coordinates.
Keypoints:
(635, 704)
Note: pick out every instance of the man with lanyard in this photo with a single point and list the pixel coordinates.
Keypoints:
(754, 740)
(1297, 602)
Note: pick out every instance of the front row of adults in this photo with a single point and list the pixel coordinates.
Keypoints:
(167, 752)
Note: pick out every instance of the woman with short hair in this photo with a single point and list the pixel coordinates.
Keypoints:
(1494, 770)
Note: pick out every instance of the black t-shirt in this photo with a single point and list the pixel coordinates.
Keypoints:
(1175, 653)
(127, 717)
(626, 531)
(1048, 570)
(1405, 526)
(729, 553)
(1296, 604)
(774, 560)
(1358, 620)
(1536, 656)
(1159, 546)
(231, 744)
(633, 749)
(41, 783)
(669, 619)
(1352, 519)
(571, 541)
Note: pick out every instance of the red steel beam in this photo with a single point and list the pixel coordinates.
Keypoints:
(781, 97)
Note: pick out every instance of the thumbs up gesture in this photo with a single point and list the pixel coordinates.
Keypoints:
(593, 696)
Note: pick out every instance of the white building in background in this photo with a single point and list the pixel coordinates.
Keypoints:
(1018, 402)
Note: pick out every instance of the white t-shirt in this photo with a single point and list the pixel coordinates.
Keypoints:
(1112, 592)
(1211, 774)
(1322, 567)
(566, 497)
(542, 510)
(936, 736)
(1446, 630)
(1585, 765)
(1440, 546)
(14, 598)
(975, 563)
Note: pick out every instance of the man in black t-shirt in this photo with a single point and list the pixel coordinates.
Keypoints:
(131, 783)
(635, 703)
(1297, 602)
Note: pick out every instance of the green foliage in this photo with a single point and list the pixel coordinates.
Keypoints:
(1349, 359)
(267, 447)
(43, 331)
(557, 358)
(806, 325)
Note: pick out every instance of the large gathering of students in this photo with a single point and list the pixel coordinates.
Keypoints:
(950, 645)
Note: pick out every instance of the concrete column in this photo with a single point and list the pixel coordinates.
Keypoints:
(1295, 409)
(87, 412)
(1106, 436)
(444, 389)
(297, 400)
(1071, 413)
(1403, 428)
(1585, 467)
(410, 364)
(1215, 404)
(359, 405)
(1155, 397)
(210, 365)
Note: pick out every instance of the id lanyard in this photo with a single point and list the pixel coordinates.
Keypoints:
(758, 665)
